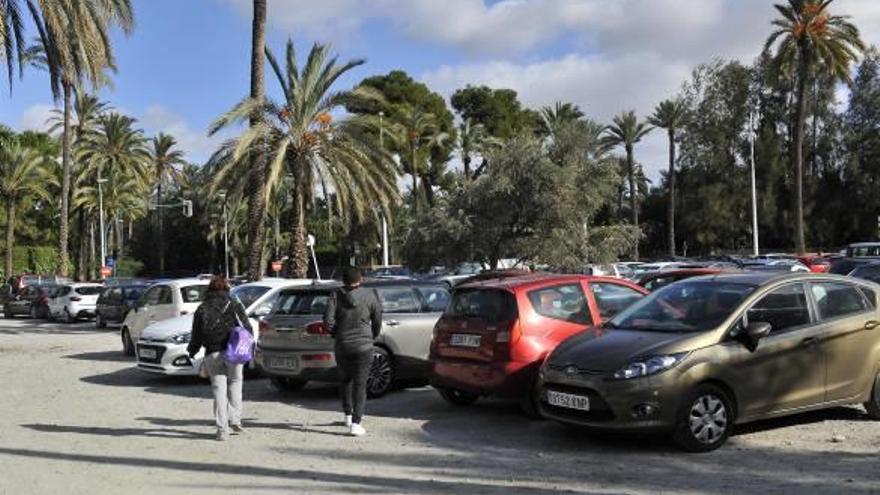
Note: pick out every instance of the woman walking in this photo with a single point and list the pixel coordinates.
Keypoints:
(212, 324)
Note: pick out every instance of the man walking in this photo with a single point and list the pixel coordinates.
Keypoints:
(354, 319)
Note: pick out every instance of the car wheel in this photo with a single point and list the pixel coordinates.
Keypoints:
(33, 312)
(529, 403)
(288, 384)
(381, 374)
(99, 321)
(705, 420)
(873, 404)
(127, 344)
(458, 397)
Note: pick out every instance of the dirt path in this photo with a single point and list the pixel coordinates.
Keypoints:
(76, 417)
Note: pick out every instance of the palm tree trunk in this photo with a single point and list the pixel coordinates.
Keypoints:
(466, 161)
(64, 229)
(671, 212)
(90, 274)
(415, 178)
(298, 256)
(428, 186)
(161, 239)
(799, 122)
(256, 203)
(82, 259)
(633, 196)
(10, 234)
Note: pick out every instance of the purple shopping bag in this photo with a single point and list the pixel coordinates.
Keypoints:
(240, 348)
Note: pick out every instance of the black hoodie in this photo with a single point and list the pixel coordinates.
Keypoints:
(354, 318)
(213, 322)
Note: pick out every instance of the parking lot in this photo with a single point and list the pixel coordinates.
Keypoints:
(76, 417)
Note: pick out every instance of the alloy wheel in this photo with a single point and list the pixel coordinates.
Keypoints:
(381, 373)
(708, 419)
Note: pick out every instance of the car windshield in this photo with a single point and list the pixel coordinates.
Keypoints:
(89, 291)
(688, 306)
(193, 293)
(248, 295)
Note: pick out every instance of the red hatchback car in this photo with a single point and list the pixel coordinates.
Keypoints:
(495, 333)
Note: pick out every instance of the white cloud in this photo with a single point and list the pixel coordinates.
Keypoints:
(35, 117)
(196, 143)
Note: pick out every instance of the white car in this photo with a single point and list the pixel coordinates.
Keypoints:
(162, 346)
(162, 301)
(74, 301)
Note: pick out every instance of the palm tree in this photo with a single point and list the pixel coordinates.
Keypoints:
(75, 42)
(627, 131)
(257, 199)
(23, 172)
(472, 140)
(305, 143)
(163, 159)
(812, 42)
(115, 152)
(670, 115)
(560, 113)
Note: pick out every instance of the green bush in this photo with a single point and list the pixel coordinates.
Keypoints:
(128, 267)
(33, 259)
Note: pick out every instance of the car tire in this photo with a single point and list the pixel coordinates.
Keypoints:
(872, 406)
(705, 419)
(33, 312)
(288, 384)
(458, 397)
(529, 403)
(127, 344)
(99, 321)
(381, 377)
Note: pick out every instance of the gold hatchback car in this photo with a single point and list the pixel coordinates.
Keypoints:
(701, 355)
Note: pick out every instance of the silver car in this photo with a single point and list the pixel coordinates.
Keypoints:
(294, 346)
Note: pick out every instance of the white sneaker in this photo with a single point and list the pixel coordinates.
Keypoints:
(348, 420)
(357, 430)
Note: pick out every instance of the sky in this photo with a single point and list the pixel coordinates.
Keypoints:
(188, 60)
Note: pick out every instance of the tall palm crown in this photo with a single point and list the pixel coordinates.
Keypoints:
(626, 131)
(164, 159)
(303, 141)
(116, 147)
(473, 139)
(810, 42)
(23, 172)
(559, 114)
(670, 115)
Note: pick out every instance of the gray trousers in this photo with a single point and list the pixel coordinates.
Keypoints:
(226, 381)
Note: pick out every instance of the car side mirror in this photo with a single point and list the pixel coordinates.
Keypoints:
(754, 333)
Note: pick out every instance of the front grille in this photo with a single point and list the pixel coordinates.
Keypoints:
(580, 371)
(599, 409)
(160, 351)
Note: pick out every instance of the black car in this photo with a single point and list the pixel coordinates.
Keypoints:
(115, 302)
(30, 300)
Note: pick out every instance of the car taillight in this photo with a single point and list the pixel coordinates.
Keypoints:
(264, 327)
(76, 299)
(317, 357)
(317, 328)
(506, 337)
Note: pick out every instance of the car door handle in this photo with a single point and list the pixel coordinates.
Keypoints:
(392, 323)
(871, 324)
(810, 341)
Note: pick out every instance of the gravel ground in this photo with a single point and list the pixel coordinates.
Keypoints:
(76, 417)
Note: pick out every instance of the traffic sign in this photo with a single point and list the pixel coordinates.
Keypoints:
(277, 266)
(106, 271)
(111, 262)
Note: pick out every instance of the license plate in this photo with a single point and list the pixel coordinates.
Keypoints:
(568, 401)
(465, 340)
(283, 363)
(148, 353)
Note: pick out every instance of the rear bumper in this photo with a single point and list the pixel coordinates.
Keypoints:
(81, 310)
(507, 379)
(311, 365)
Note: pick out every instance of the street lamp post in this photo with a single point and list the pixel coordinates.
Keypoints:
(754, 185)
(385, 257)
(222, 194)
(101, 219)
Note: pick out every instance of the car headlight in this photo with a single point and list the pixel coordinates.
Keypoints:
(181, 338)
(649, 366)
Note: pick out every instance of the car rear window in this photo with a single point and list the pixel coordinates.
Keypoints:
(491, 305)
(134, 293)
(302, 303)
(561, 302)
(249, 295)
(193, 293)
(88, 291)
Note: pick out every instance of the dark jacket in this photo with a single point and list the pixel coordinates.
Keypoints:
(354, 318)
(214, 321)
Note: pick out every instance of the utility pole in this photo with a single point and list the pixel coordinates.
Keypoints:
(385, 258)
(755, 250)
(222, 194)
